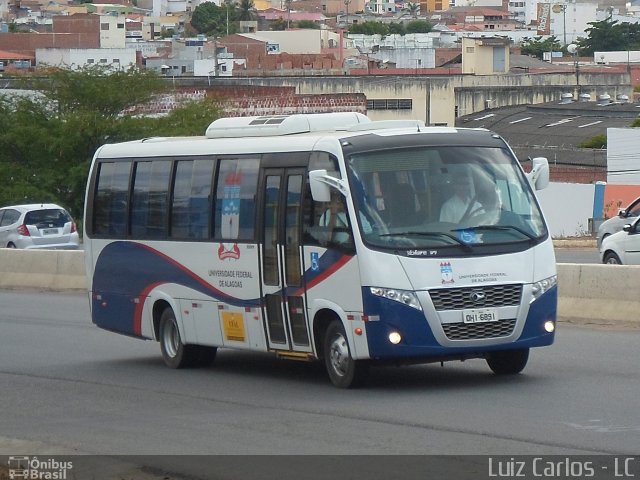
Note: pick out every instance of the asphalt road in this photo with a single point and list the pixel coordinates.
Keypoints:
(69, 387)
(577, 255)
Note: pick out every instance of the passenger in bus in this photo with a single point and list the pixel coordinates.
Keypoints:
(461, 203)
(336, 220)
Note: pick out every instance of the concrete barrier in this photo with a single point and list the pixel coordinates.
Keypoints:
(42, 269)
(589, 293)
(599, 294)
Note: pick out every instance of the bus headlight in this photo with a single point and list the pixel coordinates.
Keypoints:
(542, 286)
(403, 296)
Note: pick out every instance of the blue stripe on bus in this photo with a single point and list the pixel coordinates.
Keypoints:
(329, 262)
(419, 342)
(126, 270)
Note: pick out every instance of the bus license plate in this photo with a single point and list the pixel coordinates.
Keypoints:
(480, 315)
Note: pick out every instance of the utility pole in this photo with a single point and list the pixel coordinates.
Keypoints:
(556, 9)
(346, 4)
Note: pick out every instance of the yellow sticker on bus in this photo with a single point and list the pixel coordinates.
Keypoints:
(233, 325)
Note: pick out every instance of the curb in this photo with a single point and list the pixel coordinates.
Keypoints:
(586, 242)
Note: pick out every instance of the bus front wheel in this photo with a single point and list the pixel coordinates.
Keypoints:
(175, 353)
(343, 370)
(508, 362)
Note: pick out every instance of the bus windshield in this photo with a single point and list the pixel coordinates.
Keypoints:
(444, 196)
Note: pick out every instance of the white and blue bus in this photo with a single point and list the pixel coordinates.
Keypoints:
(322, 237)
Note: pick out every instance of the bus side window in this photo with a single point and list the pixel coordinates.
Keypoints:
(190, 206)
(330, 225)
(149, 203)
(110, 217)
(235, 200)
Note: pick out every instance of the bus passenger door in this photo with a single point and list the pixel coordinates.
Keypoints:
(282, 281)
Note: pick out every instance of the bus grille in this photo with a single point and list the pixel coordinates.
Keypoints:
(459, 298)
(473, 331)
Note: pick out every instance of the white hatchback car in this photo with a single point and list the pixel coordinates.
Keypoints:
(37, 226)
(622, 248)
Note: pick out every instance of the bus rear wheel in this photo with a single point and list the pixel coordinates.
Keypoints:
(343, 370)
(175, 353)
(508, 362)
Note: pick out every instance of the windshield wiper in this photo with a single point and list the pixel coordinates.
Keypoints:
(430, 234)
(497, 227)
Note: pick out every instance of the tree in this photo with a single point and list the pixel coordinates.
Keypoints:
(309, 24)
(598, 141)
(536, 47)
(369, 28)
(609, 36)
(210, 19)
(247, 10)
(48, 138)
(278, 25)
(413, 8)
(396, 28)
(418, 26)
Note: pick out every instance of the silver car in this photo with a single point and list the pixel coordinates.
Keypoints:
(40, 226)
(615, 224)
(622, 248)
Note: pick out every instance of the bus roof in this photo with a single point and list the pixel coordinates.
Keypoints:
(265, 134)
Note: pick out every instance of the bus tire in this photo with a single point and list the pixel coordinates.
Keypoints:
(508, 362)
(175, 353)
(343, 370)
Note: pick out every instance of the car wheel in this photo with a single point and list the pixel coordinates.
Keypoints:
(611, 258)
(11, 245)
(175, 353)
(343, 370)
(508, 362)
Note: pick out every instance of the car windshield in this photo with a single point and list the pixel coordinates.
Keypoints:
(52, 217)
(436, 197)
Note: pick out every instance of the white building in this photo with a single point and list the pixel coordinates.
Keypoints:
(381, 6)
(4, 9)
(112, 31)
(569, 20)
(168, 7)
(623, 156)
(116, 58)
(226, 63)
(292, 41)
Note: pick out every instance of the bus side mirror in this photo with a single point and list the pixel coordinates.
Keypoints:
(539, 175)
(320, 190)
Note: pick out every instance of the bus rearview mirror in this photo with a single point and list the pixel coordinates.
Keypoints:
(539, 175)
(320, 190)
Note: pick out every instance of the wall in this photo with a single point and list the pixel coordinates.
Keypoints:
(114, 57)
(617, 197)
(28, 42)
(291, 41)
(623, 155)
(437, 99)
(112, 31)
(567, 208)
(42, 269)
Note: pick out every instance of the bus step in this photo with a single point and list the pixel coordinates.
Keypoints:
(301, 356)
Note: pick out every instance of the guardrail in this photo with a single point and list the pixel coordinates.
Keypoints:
(589, 294)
